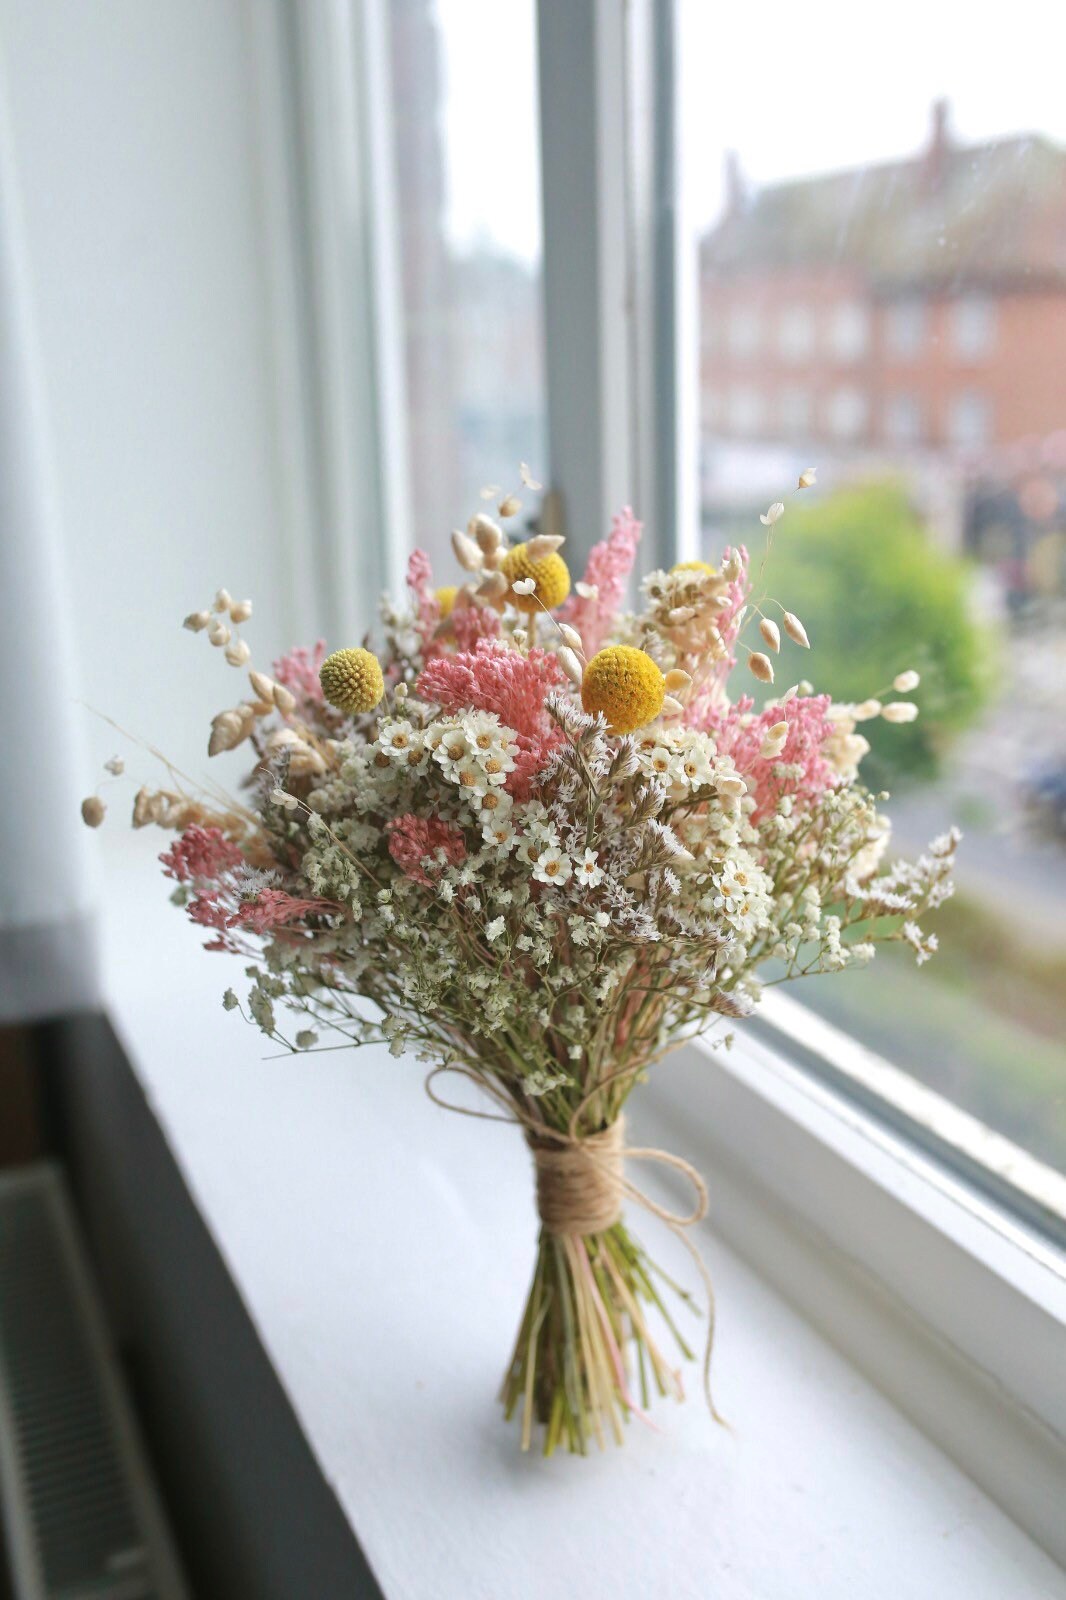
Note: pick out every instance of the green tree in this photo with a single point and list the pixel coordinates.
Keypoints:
(877, 596)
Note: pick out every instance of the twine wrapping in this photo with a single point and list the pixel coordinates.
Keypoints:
(606, 1152)
(579, 1184)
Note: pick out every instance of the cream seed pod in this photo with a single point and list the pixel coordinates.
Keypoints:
(760, 666)
(773, 514)
(223, 600)
(466, 552)
(677, 680)
(865, 710)
(240, 610)
(899, 711)
(116, 766)
(219, 634)
(509, 506)
(795, 630)
(228, 730)
(196, 621)
(672, 707)
(263, 686)
(486, 534)
(807, 478)
(544, 544)
(771, 634)
(284, 699)
(238, 653)
(571, 637)
(571, 665)
(904, 682)
(93, 811)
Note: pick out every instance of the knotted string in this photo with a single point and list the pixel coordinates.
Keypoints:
(580, 1180)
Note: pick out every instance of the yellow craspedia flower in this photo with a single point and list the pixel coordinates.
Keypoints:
(445, 598)
(550, 574)
(695, 566)
(626, 685)
(351, 680)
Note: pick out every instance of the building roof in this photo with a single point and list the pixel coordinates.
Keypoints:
(952, 217)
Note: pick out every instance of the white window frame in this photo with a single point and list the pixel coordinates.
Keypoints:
(943, 1296)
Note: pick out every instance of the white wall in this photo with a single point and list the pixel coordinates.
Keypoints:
(135, 135)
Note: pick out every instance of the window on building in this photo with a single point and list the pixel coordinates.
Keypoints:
(846, 412)
(906, 328)
(796, 336)
(973, 326)
(794, 412)
(849, 331)
(969, 420)
(744, 332)
(746, 412)
(903, 419)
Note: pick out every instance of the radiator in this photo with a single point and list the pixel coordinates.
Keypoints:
(80, 1514)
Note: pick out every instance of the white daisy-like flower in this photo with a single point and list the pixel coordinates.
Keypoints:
(696, 765)
(494, 804)
(552, 866)
(499, 833)
(588, 870)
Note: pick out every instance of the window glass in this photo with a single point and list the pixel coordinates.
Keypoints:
(973, 324)
(907, 225)
(849, 331)
(468, 195)
(906, 328)
(797, 324)
(903, 419)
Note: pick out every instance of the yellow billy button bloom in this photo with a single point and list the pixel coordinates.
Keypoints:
(695, 566)
(445, 598)
(351, 680)
(626, 685)
(550, 574)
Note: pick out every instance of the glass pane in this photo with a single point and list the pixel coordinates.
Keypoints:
(468, 190)
(882, 278)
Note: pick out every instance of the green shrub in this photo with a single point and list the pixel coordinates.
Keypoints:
(877, 596)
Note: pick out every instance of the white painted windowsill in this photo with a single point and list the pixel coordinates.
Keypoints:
(383, 1250)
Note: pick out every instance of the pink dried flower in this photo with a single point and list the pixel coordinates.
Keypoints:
(420, 583)
(473, 622)
(298, 672)
(200, 855)
(609, 565)
(273, 908)
(494, 677)
(740, 735)
(417, 845)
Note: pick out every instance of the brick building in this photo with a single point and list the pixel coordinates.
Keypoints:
(916, 306)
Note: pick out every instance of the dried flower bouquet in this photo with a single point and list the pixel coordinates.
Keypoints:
(543, 862)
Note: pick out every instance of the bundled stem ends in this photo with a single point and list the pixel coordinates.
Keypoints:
(585, 1359)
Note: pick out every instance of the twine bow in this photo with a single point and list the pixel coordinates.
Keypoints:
(575, 1206)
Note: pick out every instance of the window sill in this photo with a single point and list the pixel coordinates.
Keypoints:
(383, 1248)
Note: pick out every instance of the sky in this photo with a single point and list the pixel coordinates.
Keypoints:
(794, 89)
